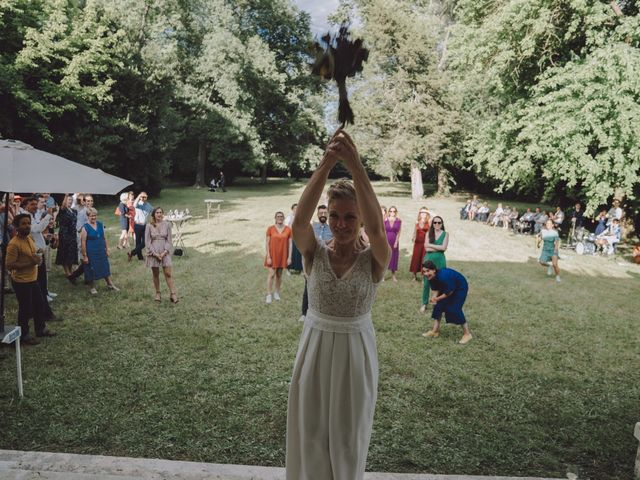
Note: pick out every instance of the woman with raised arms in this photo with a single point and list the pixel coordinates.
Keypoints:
(335, 376)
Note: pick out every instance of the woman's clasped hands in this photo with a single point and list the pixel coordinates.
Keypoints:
(342, 149)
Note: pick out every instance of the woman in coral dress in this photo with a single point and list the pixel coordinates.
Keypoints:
(419, 234)
(278, 257)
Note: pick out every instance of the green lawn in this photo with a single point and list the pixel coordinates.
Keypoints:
(549, 384)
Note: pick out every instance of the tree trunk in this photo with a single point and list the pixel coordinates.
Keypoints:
(417, 190)
(443, 56)
(202, 161)
(443, 181)
(263, 174)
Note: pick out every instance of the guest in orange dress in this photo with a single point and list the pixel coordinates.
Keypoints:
(279, 238)
(419, 233)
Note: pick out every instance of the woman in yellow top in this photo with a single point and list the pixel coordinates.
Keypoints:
(23, 259)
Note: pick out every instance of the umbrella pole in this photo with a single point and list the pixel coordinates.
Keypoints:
(5, 235)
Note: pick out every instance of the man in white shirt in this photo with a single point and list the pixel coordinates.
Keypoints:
(39, 225)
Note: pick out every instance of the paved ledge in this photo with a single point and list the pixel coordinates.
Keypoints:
(17, 465)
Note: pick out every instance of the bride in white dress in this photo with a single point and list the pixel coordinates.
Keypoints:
(335, 376)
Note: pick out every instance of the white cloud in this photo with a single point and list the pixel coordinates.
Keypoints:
(319, 11)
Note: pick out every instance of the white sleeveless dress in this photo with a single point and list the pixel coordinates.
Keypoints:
(334, 386)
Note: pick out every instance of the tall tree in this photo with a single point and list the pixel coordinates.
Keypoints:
(403, 110)
(550, 96)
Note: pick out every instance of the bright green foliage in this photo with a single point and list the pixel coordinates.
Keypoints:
(551, 96)
(136, 87)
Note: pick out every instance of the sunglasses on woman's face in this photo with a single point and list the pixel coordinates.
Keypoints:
(437, 223)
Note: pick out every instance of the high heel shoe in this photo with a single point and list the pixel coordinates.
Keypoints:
(158, 298)
(174, 298)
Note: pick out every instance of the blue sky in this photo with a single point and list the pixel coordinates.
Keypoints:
(319, 10)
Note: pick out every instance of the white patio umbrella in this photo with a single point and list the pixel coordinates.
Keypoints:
(27, 169)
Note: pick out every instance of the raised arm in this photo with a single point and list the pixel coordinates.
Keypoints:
(302, 231)
(39, 227)
(367, 201)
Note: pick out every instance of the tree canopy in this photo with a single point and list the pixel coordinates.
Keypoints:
(534, 97)
(144, 88)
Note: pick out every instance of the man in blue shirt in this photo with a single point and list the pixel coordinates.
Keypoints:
(321, 227)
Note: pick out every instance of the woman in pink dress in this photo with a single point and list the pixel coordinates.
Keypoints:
(157, 238)
(392, 226)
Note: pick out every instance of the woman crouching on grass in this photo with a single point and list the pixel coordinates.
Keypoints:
(157, 239)
(550, 238)
(333, 389)
(450, 292)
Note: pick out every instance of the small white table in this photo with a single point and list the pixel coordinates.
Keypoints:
(211, 203)
(177, 222)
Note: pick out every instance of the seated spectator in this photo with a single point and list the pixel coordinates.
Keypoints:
(532, 223)
(601, 219)
(524, 222)
(496, 216)
(212, 185)
(558, 218)
(608, 239)
(614, 212)
(512, 220)
(464, 211)
(475, 205)
(540, 221)
(483, 213)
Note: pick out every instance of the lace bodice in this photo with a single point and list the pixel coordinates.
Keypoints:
(349, 296)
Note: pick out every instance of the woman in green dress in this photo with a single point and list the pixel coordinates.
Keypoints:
(435, 244)
(550, 240)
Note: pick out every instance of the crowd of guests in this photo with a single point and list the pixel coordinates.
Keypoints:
(575, 225)
(37, 227)
(429, 239)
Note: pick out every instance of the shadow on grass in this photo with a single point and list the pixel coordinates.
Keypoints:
(544, 384)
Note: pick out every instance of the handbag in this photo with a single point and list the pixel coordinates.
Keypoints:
(178, 252)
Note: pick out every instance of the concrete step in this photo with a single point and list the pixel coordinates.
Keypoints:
(18, 465)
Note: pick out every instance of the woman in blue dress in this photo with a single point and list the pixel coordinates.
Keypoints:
(95, 252)
(451, 290)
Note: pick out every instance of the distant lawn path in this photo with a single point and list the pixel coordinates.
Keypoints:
(549, 385)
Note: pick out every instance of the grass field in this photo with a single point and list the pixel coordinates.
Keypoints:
(550, 383)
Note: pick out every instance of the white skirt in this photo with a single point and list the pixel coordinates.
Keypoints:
(332, 398)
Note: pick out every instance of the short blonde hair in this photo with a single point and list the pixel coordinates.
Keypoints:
(92, 211)
(341, 189)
